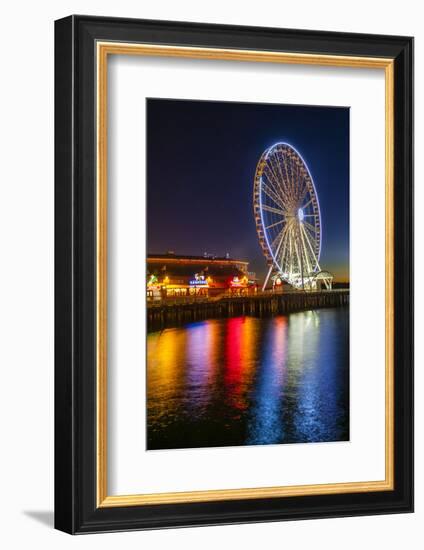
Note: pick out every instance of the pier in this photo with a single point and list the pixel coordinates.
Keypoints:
(175, 313)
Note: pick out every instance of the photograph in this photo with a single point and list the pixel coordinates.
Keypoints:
(247, 274)
(233, 267)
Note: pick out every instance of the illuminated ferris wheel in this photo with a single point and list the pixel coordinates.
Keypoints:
(288, 218)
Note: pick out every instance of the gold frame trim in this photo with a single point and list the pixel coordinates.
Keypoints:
(104, 49)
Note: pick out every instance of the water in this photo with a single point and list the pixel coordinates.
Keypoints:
(250, 381)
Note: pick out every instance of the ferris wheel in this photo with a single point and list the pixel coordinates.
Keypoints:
(288, 218)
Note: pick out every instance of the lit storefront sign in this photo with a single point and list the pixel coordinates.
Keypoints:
(199, 281)
(236, 282)
(153, 280)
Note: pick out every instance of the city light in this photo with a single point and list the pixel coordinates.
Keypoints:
(152, 280)
(236, 282)
(198, 281)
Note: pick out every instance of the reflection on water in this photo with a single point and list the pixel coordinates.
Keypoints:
(250, 381)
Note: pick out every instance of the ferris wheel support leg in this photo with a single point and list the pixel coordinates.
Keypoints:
(267, 277)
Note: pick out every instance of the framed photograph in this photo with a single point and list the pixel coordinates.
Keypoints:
(234, 274)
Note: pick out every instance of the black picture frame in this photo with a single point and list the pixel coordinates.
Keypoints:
(76, 510)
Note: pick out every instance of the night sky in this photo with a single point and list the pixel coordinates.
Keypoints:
(201, 162)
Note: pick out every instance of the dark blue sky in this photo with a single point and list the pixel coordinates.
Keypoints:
(201, 161)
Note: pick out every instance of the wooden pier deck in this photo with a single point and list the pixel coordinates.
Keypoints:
(176, 313)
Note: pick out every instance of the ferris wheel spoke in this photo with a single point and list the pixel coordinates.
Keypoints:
(277, 251)
(308, 203)
(274, 224)
(313, 237)
(288, 182)
(300, 188)
(280, 171)
(279, 179)
(304, 189)
(276, 181)
(271, 184)
(272, 194)
(310, 246)
(272, 209)
(297, 178)
(305, 251)
(289, 252)
(299, 261)
(288, 175)
(278, 239)
(284, 249)
(270, 174)
(293, 199)
(310, 241)
(309, 226)
(293, 176)
(282, 245)
(273, 165)
(284, 259)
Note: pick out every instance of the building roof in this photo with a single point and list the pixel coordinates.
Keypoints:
(183, 269)
(186, 258)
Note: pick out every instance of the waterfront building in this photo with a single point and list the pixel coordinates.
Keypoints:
(171, 275)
